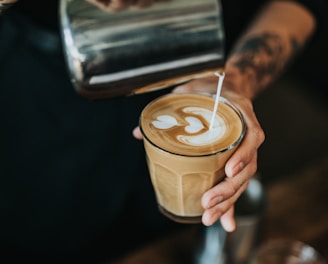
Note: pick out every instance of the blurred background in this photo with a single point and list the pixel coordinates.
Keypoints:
(293, 161)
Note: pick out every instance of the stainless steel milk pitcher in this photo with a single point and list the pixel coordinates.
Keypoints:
(134, 51)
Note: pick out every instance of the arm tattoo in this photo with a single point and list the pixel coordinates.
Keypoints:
(264, 56)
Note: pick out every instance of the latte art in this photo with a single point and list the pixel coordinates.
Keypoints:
(193, 125)
(180, 123)
(165, 122)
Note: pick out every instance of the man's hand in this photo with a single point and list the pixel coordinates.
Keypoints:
(219, 201)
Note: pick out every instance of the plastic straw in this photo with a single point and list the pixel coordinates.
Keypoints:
(218, 95)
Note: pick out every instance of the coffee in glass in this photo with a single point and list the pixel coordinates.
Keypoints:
(185, 156)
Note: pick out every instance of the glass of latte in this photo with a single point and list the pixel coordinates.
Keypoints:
(186, 149)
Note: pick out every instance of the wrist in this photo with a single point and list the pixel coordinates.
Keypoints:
(239, 83)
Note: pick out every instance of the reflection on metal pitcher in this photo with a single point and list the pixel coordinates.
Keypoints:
(140, 49)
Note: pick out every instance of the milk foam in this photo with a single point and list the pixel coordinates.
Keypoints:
(195, 125)
(165, 122)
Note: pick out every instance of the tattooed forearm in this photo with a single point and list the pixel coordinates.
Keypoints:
(263, 57)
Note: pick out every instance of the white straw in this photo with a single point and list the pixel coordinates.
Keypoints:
(218, 93)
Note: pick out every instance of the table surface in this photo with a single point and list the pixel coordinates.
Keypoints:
(296, 208)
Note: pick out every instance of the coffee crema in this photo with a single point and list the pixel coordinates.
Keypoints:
(179, 124)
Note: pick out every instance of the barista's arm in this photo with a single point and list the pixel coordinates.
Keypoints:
(277, 34)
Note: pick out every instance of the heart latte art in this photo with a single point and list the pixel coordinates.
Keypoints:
(179, 123)
(196, 132)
